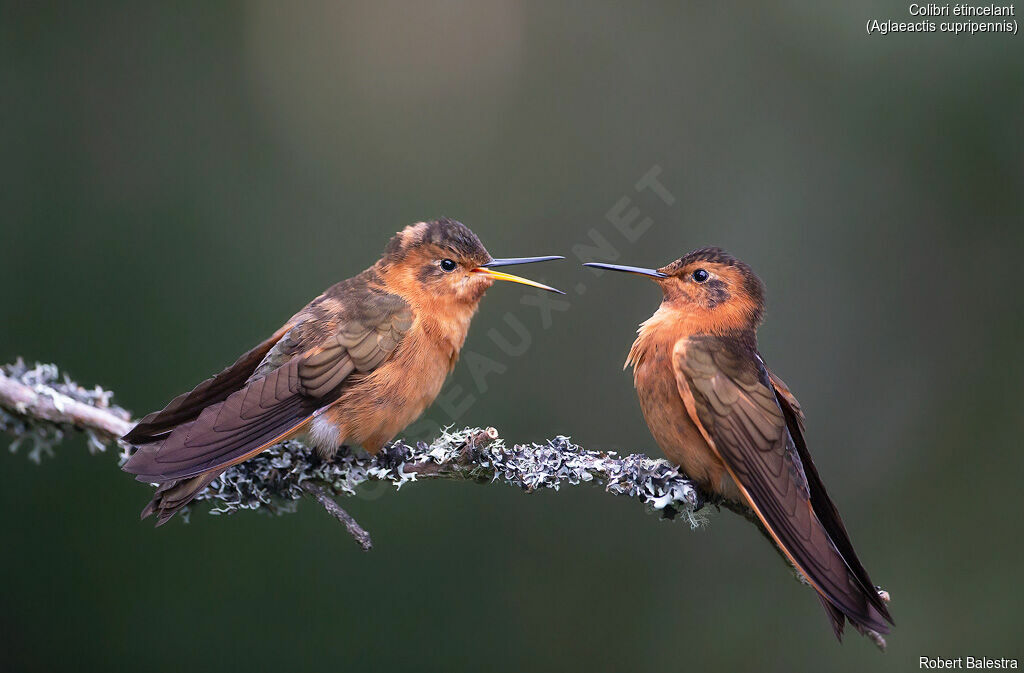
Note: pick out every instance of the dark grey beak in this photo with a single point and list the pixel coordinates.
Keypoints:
(653, 273)
(512, 261)
(485, 269)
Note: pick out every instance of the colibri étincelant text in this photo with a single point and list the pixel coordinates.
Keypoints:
(961, 18)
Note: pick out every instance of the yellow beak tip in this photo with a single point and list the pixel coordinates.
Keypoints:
(499, 275)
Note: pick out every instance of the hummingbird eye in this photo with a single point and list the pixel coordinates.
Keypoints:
(700, 275)
(448, 265)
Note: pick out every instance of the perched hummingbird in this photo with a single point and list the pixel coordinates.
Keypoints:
(734, 427)
(355, 366)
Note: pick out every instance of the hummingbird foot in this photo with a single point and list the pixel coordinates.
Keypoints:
(877, 638)
(392, 456)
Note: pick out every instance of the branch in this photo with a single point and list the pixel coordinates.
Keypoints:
(37, 403)
(335, 510)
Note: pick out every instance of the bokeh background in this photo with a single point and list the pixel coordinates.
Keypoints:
(177, 179)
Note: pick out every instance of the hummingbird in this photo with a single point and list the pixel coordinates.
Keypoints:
(735, 428)
(357, 365)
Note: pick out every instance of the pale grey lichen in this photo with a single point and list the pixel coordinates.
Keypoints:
(43, 435)
(273, 480)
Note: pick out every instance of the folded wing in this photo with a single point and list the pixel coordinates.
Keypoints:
(824, 508)
(732, 400)
(188, 406)
(305, 370)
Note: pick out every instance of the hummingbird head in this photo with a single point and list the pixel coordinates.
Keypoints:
(442, 261)
(713, 290)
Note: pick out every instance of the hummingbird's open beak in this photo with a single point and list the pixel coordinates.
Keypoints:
(653, 273)
(485, 269)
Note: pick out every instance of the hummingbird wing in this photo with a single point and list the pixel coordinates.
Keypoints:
(790, 405)
(730, 397)
(188, 406)
(352, 327)
(824, 508)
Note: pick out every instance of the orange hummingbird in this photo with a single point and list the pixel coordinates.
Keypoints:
(735, 429)
(355, 366)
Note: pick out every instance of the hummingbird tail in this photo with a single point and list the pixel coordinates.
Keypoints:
(172, 496)
(835, 616)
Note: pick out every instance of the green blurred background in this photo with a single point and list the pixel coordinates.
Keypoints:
(177, 179)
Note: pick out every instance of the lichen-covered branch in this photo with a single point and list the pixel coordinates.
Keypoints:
(357, 532)
(38, 405)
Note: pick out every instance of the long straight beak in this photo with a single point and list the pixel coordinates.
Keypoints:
(653, 273)
(486, 269)
(512, 261)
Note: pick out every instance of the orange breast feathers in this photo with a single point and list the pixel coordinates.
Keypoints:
(379, 405)
(665, 412)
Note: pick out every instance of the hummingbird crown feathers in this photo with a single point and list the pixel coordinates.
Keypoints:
(444, 233)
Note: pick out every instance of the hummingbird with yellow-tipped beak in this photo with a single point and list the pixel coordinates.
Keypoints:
(355, 366)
